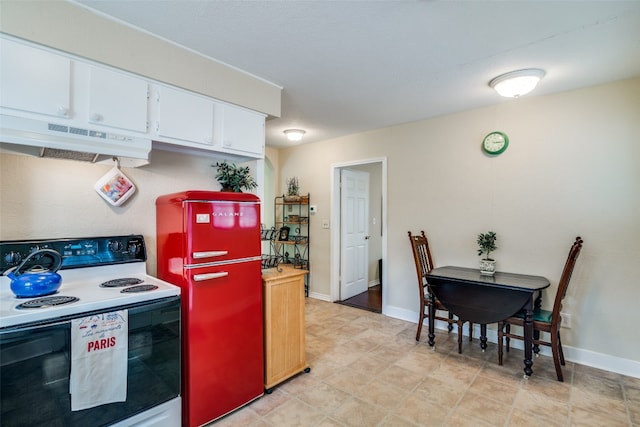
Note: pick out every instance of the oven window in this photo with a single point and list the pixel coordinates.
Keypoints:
(35, 367)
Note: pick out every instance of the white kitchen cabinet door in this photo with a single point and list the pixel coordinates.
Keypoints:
(185, 117)
(34, 80)
(117, 100)
(243, 131)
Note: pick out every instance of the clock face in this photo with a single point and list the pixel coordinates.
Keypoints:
(495, 143)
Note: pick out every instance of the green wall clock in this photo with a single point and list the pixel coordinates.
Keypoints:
(495, 143)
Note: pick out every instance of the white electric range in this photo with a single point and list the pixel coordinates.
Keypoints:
(99, 275)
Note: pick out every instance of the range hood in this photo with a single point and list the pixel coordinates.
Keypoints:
(57, 140)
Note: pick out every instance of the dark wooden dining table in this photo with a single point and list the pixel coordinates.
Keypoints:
(483, 299)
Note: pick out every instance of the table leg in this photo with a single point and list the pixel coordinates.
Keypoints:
(536, 334)
(432, 315)
(483, 336)
(528, 339)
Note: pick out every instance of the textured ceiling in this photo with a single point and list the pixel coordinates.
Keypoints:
(352, 66)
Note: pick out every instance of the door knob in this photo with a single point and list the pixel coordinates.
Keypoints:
(366, 237)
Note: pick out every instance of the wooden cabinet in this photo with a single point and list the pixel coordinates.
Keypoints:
(284, 325)
(34, 80)
(39, 83)
(117, 100)
(185, 117)
(243, 130)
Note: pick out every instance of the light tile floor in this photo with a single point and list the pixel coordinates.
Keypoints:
(368, 370)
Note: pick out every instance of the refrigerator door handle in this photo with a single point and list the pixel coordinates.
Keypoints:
(209, 276)
(209, 254)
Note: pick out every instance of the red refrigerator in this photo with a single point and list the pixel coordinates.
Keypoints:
(209, 244)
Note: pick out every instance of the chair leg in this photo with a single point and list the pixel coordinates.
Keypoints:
(420, 320)
(560, 349)
(450, 323)
(555, 349)
(470, 331)
(500, 336)
(460, 325)
(507, 332)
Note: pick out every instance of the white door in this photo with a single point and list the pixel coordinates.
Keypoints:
(184, 116)
(117, 100)
(34, 80)
(243, 130)
(354, 252)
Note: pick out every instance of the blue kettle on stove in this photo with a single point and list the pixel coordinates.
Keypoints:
(36, 280)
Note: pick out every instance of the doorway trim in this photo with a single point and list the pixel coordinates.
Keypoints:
(336, 226)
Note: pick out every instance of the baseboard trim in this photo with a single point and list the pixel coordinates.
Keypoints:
(580, 356)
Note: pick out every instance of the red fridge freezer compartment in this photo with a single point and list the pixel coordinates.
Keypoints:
(223, 366)
(202, 227)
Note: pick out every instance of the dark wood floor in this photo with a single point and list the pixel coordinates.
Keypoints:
(370, 300)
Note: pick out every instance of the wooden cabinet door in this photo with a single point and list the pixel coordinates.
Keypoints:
(117, 100)
(34, 80)
(243, 130)
(185, 117)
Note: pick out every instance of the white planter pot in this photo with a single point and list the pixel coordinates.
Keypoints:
(487, 267)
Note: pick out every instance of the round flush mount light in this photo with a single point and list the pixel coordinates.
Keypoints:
(517, 83)
(294, 134)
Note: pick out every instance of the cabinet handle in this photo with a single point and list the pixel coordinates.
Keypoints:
(209, 276)
(208, 254)
(63, 111)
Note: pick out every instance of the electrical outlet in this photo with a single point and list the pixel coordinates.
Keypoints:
(325, 223)
(566, 320)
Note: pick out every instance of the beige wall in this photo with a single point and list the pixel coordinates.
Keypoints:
(49, 198)
(70, 28)
(572, 168)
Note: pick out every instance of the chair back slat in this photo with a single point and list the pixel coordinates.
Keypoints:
(565, 278)
(422, 258)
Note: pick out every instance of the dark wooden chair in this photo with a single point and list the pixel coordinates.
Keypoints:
(544, 320)
(424, 264)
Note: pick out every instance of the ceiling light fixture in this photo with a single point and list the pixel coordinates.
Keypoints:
(517, 83)
(294, 134)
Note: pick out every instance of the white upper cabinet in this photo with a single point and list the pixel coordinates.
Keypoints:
(243, 131)
(184, 116)
(34, 80)
(117, 100)
(54, 87)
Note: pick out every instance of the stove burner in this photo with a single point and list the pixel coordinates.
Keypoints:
(47, 302)
(119, 283)
(139, 288)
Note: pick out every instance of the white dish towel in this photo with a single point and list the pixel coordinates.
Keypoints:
(99, 347)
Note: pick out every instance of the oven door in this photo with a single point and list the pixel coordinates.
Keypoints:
(35, 367)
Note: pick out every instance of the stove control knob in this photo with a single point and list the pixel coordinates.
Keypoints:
(134, 248)
(115, 246)
(13, 257)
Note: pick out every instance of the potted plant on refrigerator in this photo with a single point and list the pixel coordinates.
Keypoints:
(486, 245)
(234, 178)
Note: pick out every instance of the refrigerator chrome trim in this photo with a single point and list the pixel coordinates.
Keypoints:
(225, 262)
(209, 276)
(209, 254)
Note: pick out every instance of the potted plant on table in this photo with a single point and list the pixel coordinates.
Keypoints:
(486, 245)
(234, 178)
